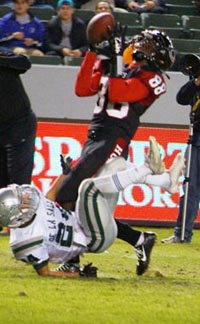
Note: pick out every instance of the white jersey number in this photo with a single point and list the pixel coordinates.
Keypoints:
(119, 112)
(157, 84)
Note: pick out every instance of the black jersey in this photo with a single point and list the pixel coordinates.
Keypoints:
(120, 100)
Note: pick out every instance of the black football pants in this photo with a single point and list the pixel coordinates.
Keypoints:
(95, 153)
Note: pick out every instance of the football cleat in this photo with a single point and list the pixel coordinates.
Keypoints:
(175, 172)
(143, 252)
(153, 159)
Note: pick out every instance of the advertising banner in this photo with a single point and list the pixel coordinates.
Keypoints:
(137, 203)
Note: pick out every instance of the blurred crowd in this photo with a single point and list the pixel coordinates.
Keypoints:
(65, 33)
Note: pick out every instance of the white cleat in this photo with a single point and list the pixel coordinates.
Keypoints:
(175, 172)
(153, 159)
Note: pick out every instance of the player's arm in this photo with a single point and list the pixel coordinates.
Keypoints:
(130, 90)
(45, 271)
(87, 82)
(54, 188)
(39, 259)
(19, 63)
(87, 271)
(66, 164)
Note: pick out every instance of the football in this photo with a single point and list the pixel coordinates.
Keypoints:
(97, 28)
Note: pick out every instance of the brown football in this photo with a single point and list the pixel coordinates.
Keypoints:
(97, 28)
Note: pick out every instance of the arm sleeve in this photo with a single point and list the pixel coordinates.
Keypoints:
(87, 82)
(131, 90)
(186, 93)
(50, 41)
(5, 34)
(37, 257)
(80, 41)
(39, 35)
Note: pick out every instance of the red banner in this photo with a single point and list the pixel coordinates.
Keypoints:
(137, 202)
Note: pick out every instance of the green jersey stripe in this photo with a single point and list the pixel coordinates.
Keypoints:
(27, 246)
(96, 214)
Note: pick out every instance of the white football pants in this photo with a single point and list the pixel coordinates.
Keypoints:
(98, 197)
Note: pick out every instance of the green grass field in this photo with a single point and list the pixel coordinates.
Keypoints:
(168, 293)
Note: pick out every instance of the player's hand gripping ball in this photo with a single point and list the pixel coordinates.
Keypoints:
(99, 26)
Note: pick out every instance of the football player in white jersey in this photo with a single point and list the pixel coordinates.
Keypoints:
(41, 231)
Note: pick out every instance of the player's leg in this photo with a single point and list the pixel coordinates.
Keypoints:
(96, 218)
(20, 161)
(111, 166)
(100, 226)
(119, 180)
(3, 171)
(142, 174)
(193, 200)
(4, 180)
(94, 155)
(168, 180)
(20, 151)
(141, 242)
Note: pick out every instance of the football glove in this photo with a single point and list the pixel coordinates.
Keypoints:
(66, 163)
(88, 271)
(117, 42)
(117, 38)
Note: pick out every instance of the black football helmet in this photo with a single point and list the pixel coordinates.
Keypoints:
(154, 46)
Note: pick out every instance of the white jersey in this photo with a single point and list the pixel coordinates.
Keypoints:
(55, 235)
